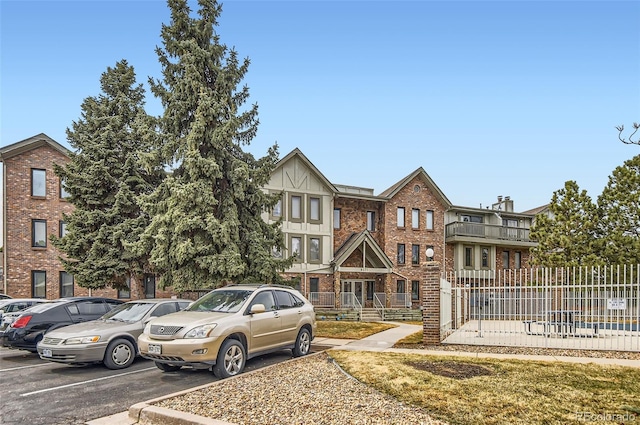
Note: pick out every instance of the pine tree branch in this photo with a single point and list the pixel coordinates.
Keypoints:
(620, 129)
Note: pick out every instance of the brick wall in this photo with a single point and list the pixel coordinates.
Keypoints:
(22, 208)
(22, 258)
(353, 219)
(415, 194)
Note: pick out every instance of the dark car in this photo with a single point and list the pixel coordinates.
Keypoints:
(30, 327)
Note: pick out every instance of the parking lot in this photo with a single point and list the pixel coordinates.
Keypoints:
(38, 392)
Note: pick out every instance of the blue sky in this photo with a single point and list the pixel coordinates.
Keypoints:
(491, 98)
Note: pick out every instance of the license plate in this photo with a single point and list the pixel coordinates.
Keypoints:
(46, 353)
(155, 349)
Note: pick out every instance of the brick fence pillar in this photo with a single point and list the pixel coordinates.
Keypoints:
(431, 303)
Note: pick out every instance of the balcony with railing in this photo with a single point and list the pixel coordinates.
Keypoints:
(464, 231)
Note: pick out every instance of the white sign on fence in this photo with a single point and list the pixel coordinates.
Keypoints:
(617, 303)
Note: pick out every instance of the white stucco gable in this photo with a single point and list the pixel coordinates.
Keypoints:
(295, 172)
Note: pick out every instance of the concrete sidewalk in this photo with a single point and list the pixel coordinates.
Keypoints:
(147, 413)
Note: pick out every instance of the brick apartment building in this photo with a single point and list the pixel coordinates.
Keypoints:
(349, 241)
(32, 210)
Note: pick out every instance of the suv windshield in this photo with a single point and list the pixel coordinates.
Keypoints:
(128, 312)
(221, 300)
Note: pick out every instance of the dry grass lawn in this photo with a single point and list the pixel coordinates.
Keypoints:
(491, 391)
(349, 330)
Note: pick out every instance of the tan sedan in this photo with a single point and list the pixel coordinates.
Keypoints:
(110, 339)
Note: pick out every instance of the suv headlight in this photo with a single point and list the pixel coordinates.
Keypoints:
(201, 331)
(147, 328)
(82, 340)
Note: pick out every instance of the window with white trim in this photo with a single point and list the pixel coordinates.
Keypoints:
(400, 216)
(371, 221)
(415, 218)
(429, 220)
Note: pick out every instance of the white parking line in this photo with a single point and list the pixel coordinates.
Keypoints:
(23, 367)
(85, 382)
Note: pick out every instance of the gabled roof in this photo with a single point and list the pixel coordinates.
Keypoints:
(29, 144)
(297, 152)
(371, 251)
(537, 210)
(393, 190)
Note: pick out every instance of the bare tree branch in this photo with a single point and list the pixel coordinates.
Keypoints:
(620, 129)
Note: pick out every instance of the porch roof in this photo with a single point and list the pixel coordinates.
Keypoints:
(374, 260)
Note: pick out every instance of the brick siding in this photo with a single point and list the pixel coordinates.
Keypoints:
(21, 208)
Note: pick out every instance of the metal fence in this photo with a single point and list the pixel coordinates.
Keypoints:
(579, 308)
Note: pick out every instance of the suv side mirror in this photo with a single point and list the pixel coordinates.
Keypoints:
(257, 308)
(148, 319)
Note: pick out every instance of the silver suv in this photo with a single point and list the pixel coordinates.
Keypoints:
(226, 327)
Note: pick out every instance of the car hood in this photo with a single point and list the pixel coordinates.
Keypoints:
(190, 319)
(94, 327)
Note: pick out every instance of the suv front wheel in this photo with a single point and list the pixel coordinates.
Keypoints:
(303, 343)
(231, 359)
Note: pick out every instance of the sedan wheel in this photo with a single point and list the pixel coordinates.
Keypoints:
(231, 359)
(120, 354)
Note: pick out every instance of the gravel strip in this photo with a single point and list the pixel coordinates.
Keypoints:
(310, 390)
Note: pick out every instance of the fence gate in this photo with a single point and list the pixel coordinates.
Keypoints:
(446, 299)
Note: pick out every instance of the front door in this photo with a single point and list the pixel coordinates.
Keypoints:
(351, 288)
(358, 290)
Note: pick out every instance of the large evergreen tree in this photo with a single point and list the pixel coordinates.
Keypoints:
(619, 214)
(567, 236)
(104, 178)
(207, 228)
